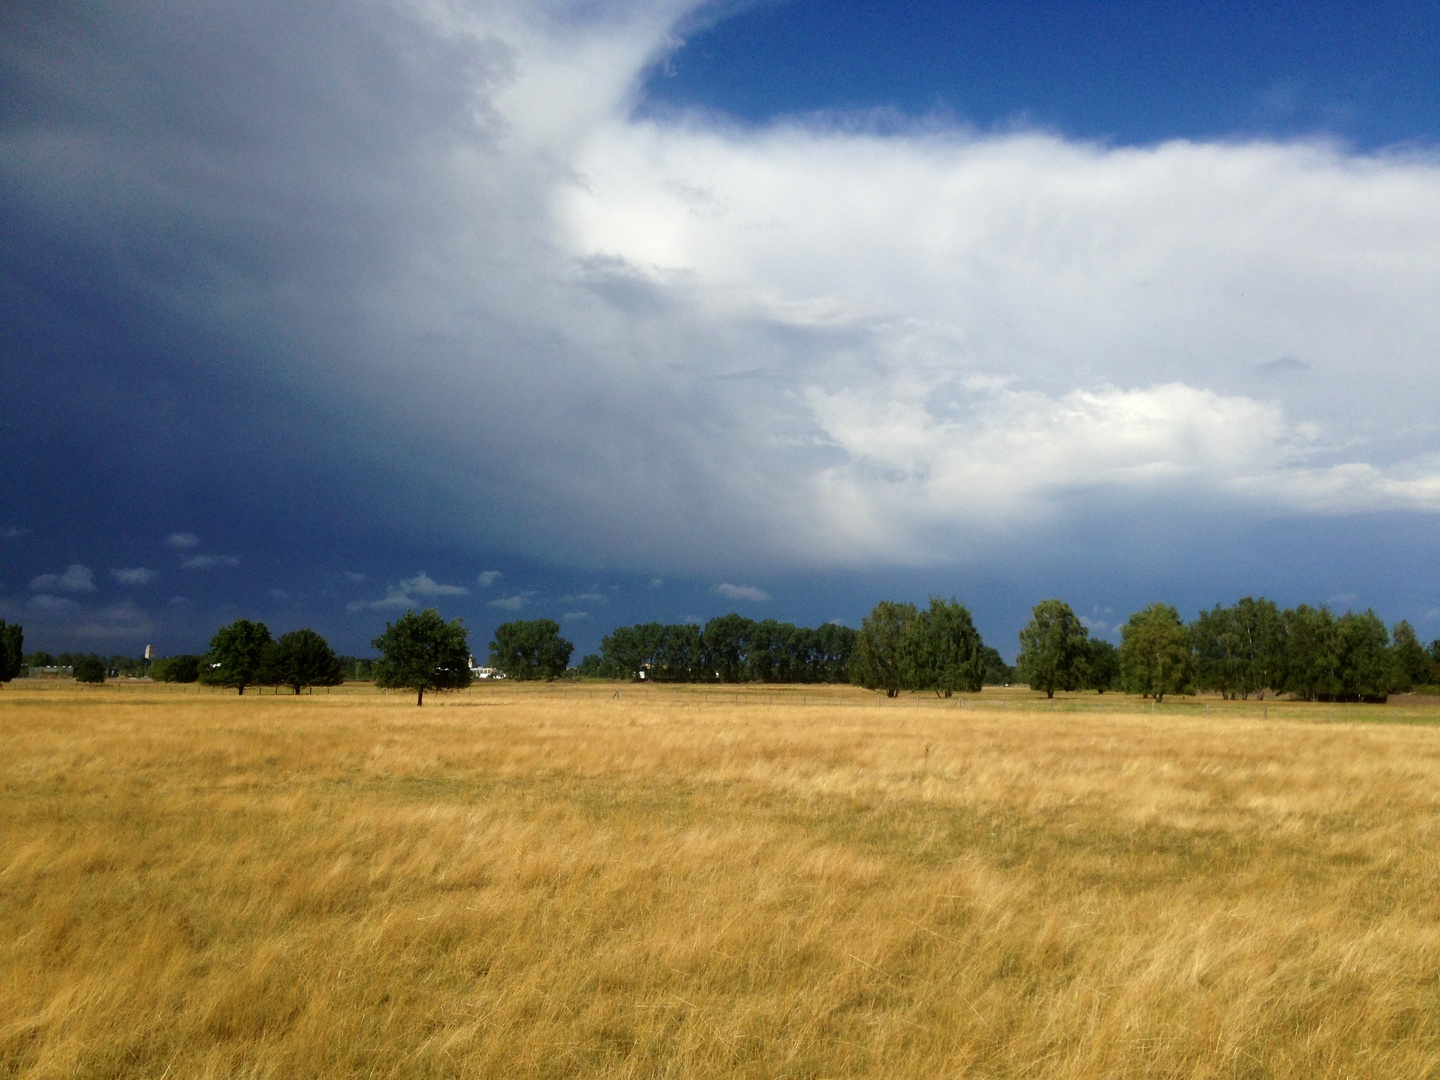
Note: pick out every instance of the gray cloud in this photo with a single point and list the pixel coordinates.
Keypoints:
(52, 604)
(486, 578)
(748, 593)
(76, 578)
(554, 328)
(137, 575)
(210, 562)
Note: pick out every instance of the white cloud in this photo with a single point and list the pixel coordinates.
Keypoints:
(487, 578)
(76, 578)
(513, 602)
(13, 532)
(741, 592)
(810, 344)
(422, 584)
(575, 616)
(209, 562)
(135, 576)
(182, 541)
(409, 593)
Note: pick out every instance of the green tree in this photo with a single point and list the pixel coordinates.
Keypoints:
(1221, 662)
(176, 669)
(1155, 653)
(303, 658)
(1364, 666)
(727, 646)
(997, 672)
(881, 660)
(1053, 648)
(530, 649)
(12, 651)
(944, 650)
(1102, 665)
(1310, 667)
(237, 655)
(89, 669)
(423, 652)
(1411, 664)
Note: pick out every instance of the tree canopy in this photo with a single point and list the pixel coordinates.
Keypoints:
(176, 669)
(882, 657)
(1155, 653)
(303, 658)
(1053, 648)
(12, 651)
(237, 655)
(89, 669)
(423, 652)
(530, 649)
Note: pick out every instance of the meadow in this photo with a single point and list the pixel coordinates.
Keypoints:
(767, 882)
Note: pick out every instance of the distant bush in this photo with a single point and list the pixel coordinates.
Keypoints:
(176, 669)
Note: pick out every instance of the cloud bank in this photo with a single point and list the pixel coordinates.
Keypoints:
(538, 323)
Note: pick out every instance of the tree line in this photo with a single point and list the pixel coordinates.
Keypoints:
(1249, 649)
(1246, 650)
(728, 648)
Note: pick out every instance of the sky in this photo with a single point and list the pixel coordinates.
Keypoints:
(613, 312)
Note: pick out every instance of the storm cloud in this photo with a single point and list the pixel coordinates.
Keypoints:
(421, 273)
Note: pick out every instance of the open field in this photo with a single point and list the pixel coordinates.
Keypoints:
(796, 882)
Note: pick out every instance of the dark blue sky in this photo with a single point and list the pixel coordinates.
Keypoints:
(1121, 73)
(845, 302)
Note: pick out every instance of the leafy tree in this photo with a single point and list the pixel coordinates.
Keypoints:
(1220, 658)
(1363, 667)
(997, 672)
(628, 650)
(303, 658)
(1053, 648)
(423, 652)
(727, 646)
(1260, 635)
(12, 651)
(89, 669)
(530, 649)
(882, 659)
(1411, 664)
(679, 654)
(176, 669)
(1155, 653)
(1310, 653)
(833, 646)
(1102, 665)
(945, 653)
(237, 655)
(590, 666)
(40, 659)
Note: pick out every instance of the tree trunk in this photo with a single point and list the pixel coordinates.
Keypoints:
(297, 689)
(420, 696)
(1050, 693)
(242, 689)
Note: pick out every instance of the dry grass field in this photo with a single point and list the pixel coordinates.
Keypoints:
(783, 884)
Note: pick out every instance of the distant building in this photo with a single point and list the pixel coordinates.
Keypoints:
(478, 672)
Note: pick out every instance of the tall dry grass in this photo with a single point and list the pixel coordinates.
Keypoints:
(531, 885)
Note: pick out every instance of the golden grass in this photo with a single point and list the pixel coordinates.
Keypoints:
(520, 883)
